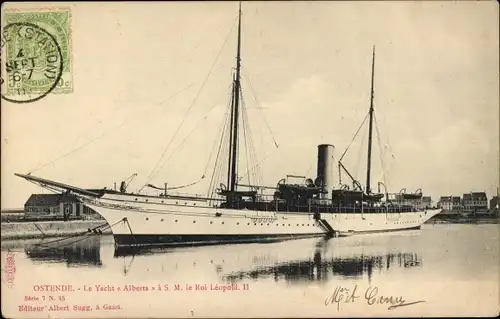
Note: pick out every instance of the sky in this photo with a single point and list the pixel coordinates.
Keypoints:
(138, 68)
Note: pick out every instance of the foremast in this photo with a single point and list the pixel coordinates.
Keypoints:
(235, 105)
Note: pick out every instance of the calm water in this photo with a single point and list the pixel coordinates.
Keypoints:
(452, 269)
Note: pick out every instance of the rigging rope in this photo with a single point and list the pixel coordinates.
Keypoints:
(53, 189)
(356, 168)
(244, 125)
(175, 187)
(215, 140)
(109, 131)
(381, 151)
(257, 177)
(92, 127)
(184, 140)
(190, 107)
(253, 153)
(389, 144)
(179, 147)
(259, 107)
(89, 233)
(262, 161)
(354, 137)
(219, 164)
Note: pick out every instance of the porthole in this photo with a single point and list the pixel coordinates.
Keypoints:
(288, 224)
(277, 224)
(176, 203)
(237, 223)
(185, 203)
(267, 224)
(211, 222)
(194, 221)
(176, 220)
(302, 224)
(261, 224)
(161, 220)
(136, 199)
(147, 218)
(163, 201)
(248, 223)
(283, 224)
(222, 223)
(194, 204)
(147, 200)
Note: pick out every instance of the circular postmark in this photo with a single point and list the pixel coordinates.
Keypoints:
(32, 62)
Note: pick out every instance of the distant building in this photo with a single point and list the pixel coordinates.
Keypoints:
(475, 202)
(426, 201)
(467, 201)
(444, 202)
(450, 203)
(495, 206)
(494, 203)
(57, 206)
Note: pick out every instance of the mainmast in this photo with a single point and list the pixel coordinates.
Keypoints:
(233, 147)
(368, 168)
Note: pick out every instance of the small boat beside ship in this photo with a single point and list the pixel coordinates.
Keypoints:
(237, 213)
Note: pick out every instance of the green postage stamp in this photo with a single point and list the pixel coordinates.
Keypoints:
(37, 53)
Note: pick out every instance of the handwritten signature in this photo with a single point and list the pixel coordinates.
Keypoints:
(344, 295)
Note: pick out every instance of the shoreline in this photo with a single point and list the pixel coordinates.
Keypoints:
(47, 229)
(464, 222)
(461, 219)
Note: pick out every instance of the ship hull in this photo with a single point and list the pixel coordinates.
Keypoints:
(122, 240)
(153, 221)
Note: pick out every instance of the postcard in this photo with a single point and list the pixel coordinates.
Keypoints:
(249, 159)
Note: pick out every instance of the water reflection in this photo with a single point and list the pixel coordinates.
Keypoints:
(74, 254)
(321, 268)
(297, 261)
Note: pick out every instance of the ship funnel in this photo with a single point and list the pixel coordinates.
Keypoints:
(325, 169)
